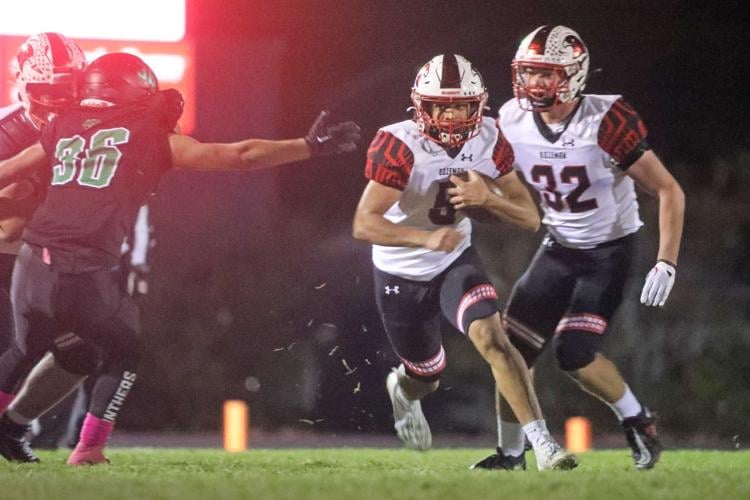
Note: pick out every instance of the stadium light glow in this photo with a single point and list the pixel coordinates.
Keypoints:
(141, 20)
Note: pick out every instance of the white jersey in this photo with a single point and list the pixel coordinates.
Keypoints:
(579, 171)
(402, 158)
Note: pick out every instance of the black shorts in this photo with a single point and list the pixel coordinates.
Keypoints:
(48, 305)
(567, 289)
(410, 311)
(6, 314)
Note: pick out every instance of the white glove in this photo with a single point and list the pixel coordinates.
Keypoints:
(659, 282)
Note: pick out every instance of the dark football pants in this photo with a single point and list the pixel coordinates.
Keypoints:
(410, 311)
(55, 310)
(6, 313)
(570, 295)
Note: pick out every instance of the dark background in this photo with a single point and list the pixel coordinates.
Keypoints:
(260, 293)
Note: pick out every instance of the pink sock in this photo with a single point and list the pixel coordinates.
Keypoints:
(5, 400)
(95, 432)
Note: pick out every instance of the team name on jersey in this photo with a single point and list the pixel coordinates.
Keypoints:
(553, 155)
(450, 171)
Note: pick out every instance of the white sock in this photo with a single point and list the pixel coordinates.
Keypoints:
(536, 431)
(510, 437)
(626, 406)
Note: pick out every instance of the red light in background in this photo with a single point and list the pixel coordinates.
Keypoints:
(142, 20)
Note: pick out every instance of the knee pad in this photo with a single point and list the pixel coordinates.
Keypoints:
(125, 356)
(576, 349)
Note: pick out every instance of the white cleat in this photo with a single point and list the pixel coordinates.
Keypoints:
(552, 456)
(411, 426)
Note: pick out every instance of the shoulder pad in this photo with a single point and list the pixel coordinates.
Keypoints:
(16, 133)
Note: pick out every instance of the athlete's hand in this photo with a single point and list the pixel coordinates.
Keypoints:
(324, 139)
(174, 105)
(469, 192)
(659, 282)
(445, 239)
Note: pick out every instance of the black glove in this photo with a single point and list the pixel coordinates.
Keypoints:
(325, 140)
(174, 104)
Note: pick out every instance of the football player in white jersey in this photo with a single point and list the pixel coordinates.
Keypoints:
(423, 262)
(583, 154)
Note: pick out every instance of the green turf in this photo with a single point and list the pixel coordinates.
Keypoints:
(359, 474)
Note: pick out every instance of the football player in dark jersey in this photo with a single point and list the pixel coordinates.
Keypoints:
(104, 159)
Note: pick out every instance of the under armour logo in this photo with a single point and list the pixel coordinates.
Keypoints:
(465, 157)
(391, 289)
(569, 143)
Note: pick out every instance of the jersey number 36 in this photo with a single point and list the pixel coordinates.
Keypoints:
(93, 165)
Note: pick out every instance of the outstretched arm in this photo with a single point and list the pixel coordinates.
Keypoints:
(251, 154)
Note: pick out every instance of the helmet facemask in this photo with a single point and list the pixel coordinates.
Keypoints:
(43, 101)
(452, 132)
(47, 66)
(542, 93)
(445, 80)
(550, 68)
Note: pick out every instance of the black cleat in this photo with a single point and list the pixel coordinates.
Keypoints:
(501, 461)
(640, 431)
(13, 443)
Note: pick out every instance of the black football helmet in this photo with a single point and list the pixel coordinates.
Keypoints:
(117, 78)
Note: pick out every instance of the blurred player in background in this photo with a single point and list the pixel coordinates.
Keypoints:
(423, 263)
(46, 68)
(105, 158)
(583, 153)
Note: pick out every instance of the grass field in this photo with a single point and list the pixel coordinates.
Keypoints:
(362, 473)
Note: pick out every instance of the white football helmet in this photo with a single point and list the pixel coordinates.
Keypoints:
(47, 67)
(558, 49)
(444, 79)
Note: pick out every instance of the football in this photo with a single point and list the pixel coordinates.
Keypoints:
(476, 213)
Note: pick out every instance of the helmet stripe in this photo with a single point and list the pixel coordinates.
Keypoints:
(540, 38)
(451, 76)
(58, 50)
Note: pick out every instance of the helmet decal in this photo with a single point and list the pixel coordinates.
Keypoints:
(560, 52)
(450, 77)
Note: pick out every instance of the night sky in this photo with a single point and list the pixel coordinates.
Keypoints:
(265, 69)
